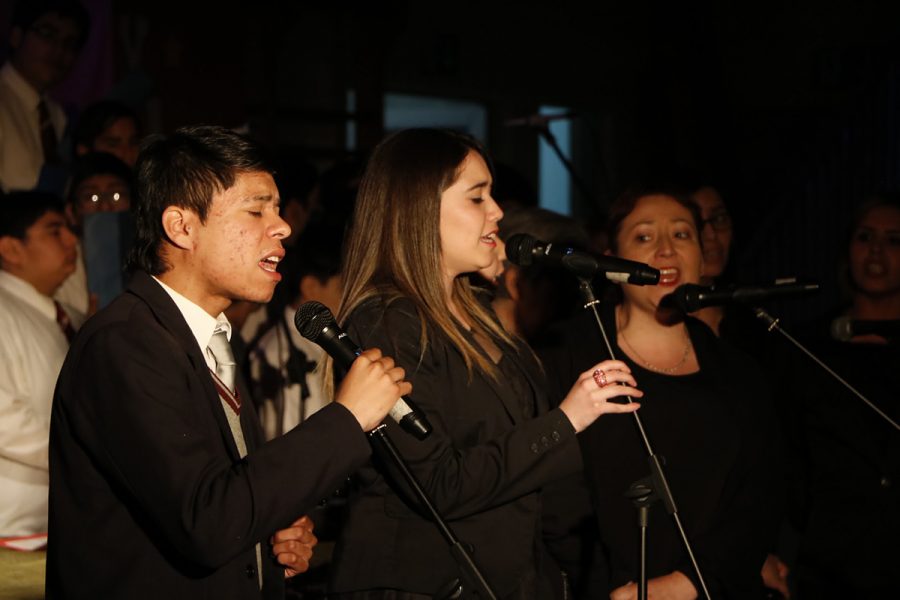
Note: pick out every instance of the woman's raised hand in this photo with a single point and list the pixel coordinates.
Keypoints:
(589, 397)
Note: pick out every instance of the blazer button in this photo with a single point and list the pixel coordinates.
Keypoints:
(545, 441)
(535, 449)
(555, 436)
(885, 482)
(251, 571)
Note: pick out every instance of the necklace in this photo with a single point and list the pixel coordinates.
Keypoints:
(667, 370)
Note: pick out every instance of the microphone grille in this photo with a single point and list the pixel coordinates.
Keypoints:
(520, 248)
(687, 297)
(311, 318)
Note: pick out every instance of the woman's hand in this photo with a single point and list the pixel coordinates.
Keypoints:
(674, 586)
(589, 397)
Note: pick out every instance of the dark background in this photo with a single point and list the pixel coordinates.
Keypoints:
(793, 108)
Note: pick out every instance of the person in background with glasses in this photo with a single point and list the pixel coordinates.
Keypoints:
(717, 231)
(45, 41)
(97, 205)
(717, 234)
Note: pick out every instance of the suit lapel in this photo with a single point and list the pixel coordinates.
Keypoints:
(171, 319)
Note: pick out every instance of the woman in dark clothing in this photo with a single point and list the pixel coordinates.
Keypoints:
(706, 411)
(849, 505)
(425, 218)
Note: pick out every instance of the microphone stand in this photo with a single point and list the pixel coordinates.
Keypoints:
(642, 492)
(543, 130)
(469, 572)
(772, 325)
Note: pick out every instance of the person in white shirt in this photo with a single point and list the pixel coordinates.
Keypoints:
(37, 252)
(286, 368)
(45, 39)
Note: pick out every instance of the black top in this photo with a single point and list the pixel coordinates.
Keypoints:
(483, 465)
(716, 431)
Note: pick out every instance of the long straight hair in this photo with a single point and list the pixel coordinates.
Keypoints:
(394, 248)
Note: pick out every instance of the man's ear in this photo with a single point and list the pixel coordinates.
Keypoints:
(12, 252)
(180, 226)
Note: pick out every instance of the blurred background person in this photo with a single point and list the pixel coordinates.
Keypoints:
(286, 369)
(45, 40)
(98, 209)
(111, 127)
(37, 252)
(849, 457)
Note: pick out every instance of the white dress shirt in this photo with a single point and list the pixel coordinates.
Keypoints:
(201, 323)
(32, 350)
(21, 152)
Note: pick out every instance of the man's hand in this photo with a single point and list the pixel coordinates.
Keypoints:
(775, 574)
(372, 387)
(293, 547)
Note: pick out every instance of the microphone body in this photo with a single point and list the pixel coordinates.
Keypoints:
(523, 250)
(845, 328)
(316, 323)
(691, 298)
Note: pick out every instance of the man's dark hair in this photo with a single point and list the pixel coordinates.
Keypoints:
(184, 169)
(97, 118)
(29, 11)
(21, 210)
(97, 163)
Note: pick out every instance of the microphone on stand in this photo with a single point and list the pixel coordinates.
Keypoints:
(845, 328)
(691, 298)
(524, 250)
(316, 323)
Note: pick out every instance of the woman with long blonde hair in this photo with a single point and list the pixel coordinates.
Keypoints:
(424, 218)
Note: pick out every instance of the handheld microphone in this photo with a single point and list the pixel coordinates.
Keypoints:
(691, 298)
(845, 328)
(316, 323)
(523, 250)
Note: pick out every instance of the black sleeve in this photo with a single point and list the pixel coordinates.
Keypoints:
(462, 478)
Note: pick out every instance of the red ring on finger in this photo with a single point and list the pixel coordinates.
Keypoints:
(600, 379)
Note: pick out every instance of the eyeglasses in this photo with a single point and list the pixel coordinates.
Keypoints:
(97, 201)
(720, 221)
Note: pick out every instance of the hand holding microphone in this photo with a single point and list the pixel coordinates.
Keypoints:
(373, 383)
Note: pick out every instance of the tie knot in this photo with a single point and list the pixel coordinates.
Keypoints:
(221, 349)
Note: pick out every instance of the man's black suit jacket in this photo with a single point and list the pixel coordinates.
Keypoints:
(148, 496)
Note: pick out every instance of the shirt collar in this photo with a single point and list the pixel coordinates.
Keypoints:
(201, 323)
(21, 88)
(27, 293)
